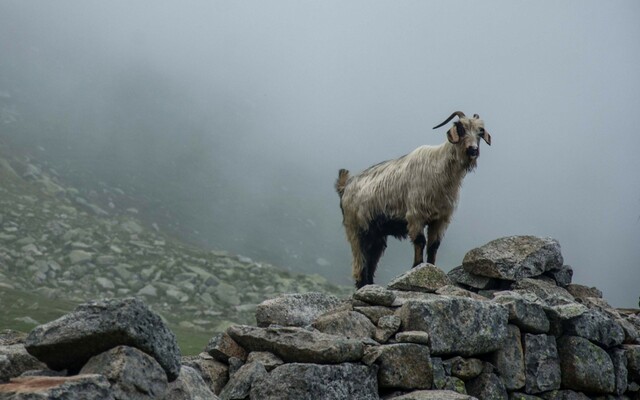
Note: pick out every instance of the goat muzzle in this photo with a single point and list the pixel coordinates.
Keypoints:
(473, 151)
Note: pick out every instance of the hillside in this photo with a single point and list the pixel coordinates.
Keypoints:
(62, 245)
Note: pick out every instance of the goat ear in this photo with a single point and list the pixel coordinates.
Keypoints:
(487, 137)
(452, 135)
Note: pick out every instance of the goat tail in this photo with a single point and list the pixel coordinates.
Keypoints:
(341, 182)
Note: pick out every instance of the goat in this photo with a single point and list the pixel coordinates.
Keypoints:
(400, 197)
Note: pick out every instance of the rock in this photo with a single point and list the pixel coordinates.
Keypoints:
(268, 360)
(632, 351)
(214, 373)
(422, 278)
(433, 395)
(79, 387)
(455, 384)
(9, 337)
(541, 363)
(222, 347)
(509, 360)
(95, 327)
(439, 374)
(514, 258)
(148, 290)
(298, 345)
(583, 292)
(595, 326)
(522, 396)
(619, 360)
(417, 337)
(530, 317)
(585, 366)
(460, 276)
(133, 374)
(561, 276)
(564, 395)
(105, 283)
(227, 294)
(457, 325)
(189, 386)
(387, 327)
(451, 290)
(294, 309)
(463, 368)
(404, 366)
(349, 324)
(487, 386)
(549, 293)
(374, 313)
(105, 260)
(312, 381)
(79, 257)
(375, 294)
(14, 360)
(240, 383)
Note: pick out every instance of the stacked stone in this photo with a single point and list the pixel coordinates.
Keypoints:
(105, 350)
(507, 324)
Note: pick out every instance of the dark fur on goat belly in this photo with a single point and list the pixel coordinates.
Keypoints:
(383, 225)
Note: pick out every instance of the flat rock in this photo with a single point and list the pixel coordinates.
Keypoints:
(14, 360)
(547, 292)
(514, 258)
(422, 278)
(582, 292)
(349, 324)
(418, 337)
(293, 344)
(222, 347)
(595, 326)
(375, 295)
(312, 382)
(460, 276)
(240, 383)
(95, 327)
(434, 395)
(294, 309)
(463, 368)
(457, 325)
(585, 366)
(79, 387)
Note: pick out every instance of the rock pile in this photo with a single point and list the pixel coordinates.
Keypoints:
(507, 324)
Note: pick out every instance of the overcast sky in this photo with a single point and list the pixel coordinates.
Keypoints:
(304, 88)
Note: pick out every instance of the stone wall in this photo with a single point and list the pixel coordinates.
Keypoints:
(507, 324)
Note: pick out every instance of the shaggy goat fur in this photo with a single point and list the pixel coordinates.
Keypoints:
(399, 197)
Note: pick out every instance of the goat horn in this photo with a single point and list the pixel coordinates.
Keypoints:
(458, 114)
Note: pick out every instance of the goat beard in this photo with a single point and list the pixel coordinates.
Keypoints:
(470, 164)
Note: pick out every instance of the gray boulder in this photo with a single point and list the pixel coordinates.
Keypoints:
(418, 337)
(619, 360)
(95, 327)
(375, 294)
(298, 345)
(541, 363)
(585, 366)
(268, 360)
(460, 276)
(349, 324)
(133, 374)
(457, 325)
(509, 360)
(312, 381)
(422, 278)
(79, 387)
(222, 347)
(514, 258)
(632, 351)
(214, 373)
(403, 366)
(189, 386)
(487, 386)
(240, 383)
(14, 360)
(561, 276)
(294, 309)
(387, 327)
(583, 292)
(564, 395)
(548, 292)
(527, 315)
(595, 326)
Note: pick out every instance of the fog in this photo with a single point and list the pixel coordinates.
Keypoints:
(233, 117)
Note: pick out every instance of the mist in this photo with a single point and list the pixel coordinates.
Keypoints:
(233, 118)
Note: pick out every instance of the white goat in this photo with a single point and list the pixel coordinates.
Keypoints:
(399, 197)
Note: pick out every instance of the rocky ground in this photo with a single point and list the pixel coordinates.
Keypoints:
(60, 246)
(508, 324)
